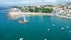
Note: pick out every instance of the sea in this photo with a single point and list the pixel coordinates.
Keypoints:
(37, 27)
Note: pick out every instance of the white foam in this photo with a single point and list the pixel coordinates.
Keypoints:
(70, 31)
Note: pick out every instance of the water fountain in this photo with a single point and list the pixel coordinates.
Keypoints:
(24, 19)
(16, 13)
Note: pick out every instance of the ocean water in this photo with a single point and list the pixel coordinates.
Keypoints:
(37, 28)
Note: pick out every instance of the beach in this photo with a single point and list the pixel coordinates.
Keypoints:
(19, 14)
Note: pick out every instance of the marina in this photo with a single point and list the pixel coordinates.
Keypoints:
(38, 28)
(35, 20)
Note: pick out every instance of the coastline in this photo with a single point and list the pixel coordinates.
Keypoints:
(19, 14)
(36, 14)
(63, 16)
(47, 14)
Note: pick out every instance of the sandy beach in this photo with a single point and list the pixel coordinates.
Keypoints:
(19, 14)
(33, 13)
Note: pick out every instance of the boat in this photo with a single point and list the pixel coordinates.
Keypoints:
(45, 39)
(21, 38)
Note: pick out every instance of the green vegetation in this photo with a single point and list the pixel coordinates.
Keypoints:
(35, 9)
(46, 10)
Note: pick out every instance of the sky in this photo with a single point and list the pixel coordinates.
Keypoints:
(29, 2)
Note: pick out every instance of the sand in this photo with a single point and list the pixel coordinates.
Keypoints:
(17, 15)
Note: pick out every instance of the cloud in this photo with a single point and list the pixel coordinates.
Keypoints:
(30, 2)
(50, 0)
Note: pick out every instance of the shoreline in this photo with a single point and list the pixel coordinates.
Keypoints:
(33, 13)
(63, 16)
(46, 14)
(19, 14)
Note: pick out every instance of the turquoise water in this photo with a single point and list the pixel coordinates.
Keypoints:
(37, 28)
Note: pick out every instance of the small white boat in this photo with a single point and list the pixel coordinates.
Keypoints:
(45, 39)
(21, 38)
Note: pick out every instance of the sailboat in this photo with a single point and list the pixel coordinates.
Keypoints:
(24, 19)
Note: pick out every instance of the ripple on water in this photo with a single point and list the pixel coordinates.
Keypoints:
(53, 24)
(70, 31)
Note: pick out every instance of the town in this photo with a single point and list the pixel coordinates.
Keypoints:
(63, 10)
